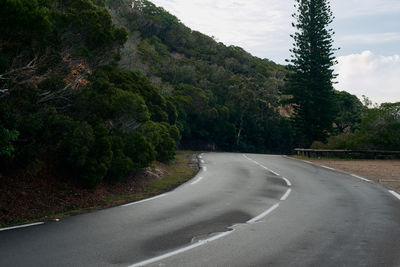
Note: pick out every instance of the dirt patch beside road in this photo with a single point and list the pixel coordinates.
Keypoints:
(44, 195)
(385, 172)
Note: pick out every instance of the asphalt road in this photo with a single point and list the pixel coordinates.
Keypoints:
(240, 210)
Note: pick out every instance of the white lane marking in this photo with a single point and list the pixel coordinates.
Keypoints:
(200, 157)
(175, 252)
(394, 194)
(202, 161)
(286, 195)
(326, 167)
(289, 184)
(145, 200)
(198, 180)
(262, 166)
(204, 168)
(265, 213)
(277, 174)
(21, 226)
(287, 181)
(361, 178)
(306, 161)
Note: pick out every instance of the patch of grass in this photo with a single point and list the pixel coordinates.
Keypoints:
(179, 172)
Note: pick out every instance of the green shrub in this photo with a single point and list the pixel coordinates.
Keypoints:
(99, 158)
(6, 139)
(139, 150)
(158, 134)
(121, 165)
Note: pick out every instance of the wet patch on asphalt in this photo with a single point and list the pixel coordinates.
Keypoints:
(186, 235)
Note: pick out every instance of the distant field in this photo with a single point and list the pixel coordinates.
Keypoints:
(385, 172)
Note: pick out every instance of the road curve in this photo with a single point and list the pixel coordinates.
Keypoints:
(240, 210)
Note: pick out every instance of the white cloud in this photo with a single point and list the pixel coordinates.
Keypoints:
(377, 77)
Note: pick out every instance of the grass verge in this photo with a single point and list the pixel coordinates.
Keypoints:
(156, 180)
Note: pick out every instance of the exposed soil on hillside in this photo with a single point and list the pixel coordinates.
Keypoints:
(45, 195)
(385, 172)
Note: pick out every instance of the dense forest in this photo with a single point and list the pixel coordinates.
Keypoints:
(99, 89)
(226, 98)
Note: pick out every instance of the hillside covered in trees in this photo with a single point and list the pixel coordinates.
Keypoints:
(99, 89)
(226, 98)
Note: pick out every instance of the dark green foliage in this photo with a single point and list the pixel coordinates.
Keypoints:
(350, 111)
(99, 158)
(90, 23)
(38, 34)
(106, 133)
(6, 138)
(4, 62)
(107, 126)
(139, 149)
(159, 136)
(23, 21)
(121, 165)
(379, 129)
(310, 80)
(97, 122)
(215, 89)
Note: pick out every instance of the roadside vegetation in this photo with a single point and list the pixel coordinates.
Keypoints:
(44, 194)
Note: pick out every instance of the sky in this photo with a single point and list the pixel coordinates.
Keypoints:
(366, 31)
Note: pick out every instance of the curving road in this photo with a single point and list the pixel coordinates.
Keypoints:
(240, 210)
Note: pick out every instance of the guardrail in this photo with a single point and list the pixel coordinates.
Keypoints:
(341, 153)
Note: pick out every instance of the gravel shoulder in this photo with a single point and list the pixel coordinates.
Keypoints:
(385, 172)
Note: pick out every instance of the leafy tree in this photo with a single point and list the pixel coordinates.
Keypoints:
(310, 80)
(6, 139)
(350, 111)
(379, 129)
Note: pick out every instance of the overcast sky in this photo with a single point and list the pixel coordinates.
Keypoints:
(367, 31)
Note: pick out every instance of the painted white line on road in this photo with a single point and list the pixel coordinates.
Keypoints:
(145, 200)
(265, 213)
(286, 195)
(202, 161)
(306, 161)
(173, 253)
(361, 178)
(394, 194)
(287, 181)
(21, 226)
(262, 166)
(204, 168)
(268, 169)
(326, 167)
(277, 174)
(198, 180)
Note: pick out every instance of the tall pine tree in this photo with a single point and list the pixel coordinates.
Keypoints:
(311, 65)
